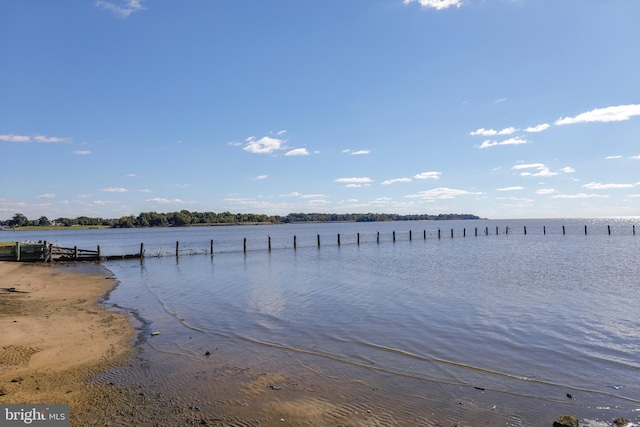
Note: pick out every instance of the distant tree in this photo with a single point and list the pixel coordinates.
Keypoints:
(44, 221)
(18, 220)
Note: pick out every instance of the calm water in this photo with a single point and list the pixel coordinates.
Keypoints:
(486, 330)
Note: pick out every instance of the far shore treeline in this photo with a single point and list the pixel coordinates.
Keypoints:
(186, 218)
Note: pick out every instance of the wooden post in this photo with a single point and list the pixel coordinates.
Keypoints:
(464, 232)
(295, 242)
(17, 251)
(438, 233)
(394, 236)
(476, 231)
(358, 239)
(563, 232)
(338, 239)
(525, 230)
(211, 249)
(506, 230)
(585, 230)
(609, 229)
(177, 249)
(75, 252)
(318, 240)
(98, 251)
(497, 230)
(245, 245)
(452, 233)
(634, 229)
(424, 234)
(410, 237)
(378, 237)
(486, 231)
(269, 243)
(544, 229)
(141, 250)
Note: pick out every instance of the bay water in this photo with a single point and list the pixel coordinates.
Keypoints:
(420, 323)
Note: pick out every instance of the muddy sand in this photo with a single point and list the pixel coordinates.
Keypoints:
(60, 344)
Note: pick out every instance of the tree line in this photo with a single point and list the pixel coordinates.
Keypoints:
(185, 218)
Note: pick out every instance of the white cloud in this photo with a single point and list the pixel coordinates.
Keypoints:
(49, 139)
(260, 177)
(441, 193)
(538, 128)
(360, 152)
(115, 190)
(163, 201)
(46, 196)
(599, 186)
(82, 152)
(510, 188)
(281, 132)
(542, 170)
(297, 152)
(37, 138)
(145, 190)
(608, 114)
(497, 101)
(491, 132)
(264, 145)
(567, 169)
(362, 180)
(354, 185)
(15, 138)
(635, 157)
(428, 175)
(612, 157)
(393, 181)
(436, 4)
(511, 141)
(312, 196)
(294, 194)
(529, 166)
(129, 7)
(578, 196)
(546, 191)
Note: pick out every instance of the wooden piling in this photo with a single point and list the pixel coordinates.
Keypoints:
(634, 229)
(75, 252)
(245, 245)
(464, 232)
(358, 239)
(211, 248)
(497, 230)
(394, 236)
(424, 234)
(338, 239)
(544, 229)
(410, 239)
(609, 230)
(17, 251)
(506, 230)
(452, 233)
(269, 239)
(295, 242)
(476, 231)
(318, 240)
(98, 250)
(177, 249)
(378, 237)
(563, 231)
(486, 231)
(585, 230)
(438, 233)
(525, 230)
(141, 250)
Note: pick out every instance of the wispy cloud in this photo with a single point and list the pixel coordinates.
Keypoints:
(491, 132)
(261, 177)
(356, 152)
(41, 139)
(608, 114)
(297, 152)
(114, 190)
(511, 141)
(567, 169)
(599, 186)
(393, 181)
(46, 196)
(612, 157)
(355, 182)
(538, 128)
(163, 201)
(578, 196)
(441, 193)
(546, 191)
(82, 152)
(125, 10)
(635, 157)
(436, 4)
(428, 175)
(517, 188)
(541, 169)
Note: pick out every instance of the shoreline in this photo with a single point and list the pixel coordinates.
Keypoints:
(56, 334)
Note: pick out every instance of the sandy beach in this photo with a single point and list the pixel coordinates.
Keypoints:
(55, 335)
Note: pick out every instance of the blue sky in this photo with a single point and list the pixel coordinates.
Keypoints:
(500, 108)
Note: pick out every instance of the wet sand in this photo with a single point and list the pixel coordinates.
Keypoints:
(60, 345)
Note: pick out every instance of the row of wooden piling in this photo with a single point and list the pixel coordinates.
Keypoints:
(476, 232)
